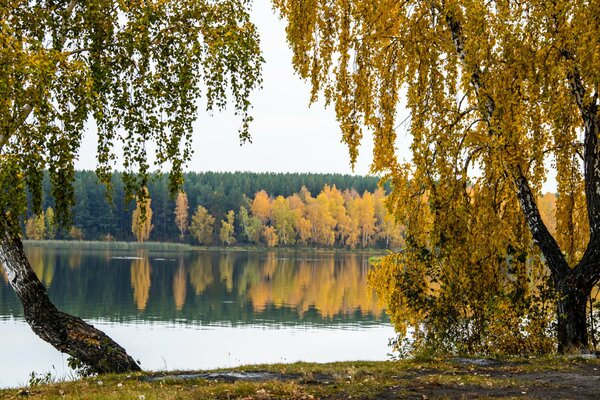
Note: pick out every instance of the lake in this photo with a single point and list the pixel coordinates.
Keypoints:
(202, 309)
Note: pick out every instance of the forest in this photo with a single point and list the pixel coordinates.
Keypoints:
(271, 209)
(266, 209)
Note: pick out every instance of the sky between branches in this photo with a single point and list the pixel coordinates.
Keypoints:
(288, 135)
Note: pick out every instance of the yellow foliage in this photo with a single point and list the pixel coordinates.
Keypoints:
(270, 236)
(179, 287)
(495, 91)
(140, 279)
(181, 213)
(141, 220)
(201, 274)
(261, 206)
(202, 226)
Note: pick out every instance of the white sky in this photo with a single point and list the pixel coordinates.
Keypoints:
(287, 134)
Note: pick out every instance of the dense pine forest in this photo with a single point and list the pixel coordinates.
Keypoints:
(95, 218)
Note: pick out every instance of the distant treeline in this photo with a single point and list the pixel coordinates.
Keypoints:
(94, 218)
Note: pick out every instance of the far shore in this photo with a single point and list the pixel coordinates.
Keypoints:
(182, 247)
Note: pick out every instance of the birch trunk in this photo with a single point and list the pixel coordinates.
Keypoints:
(68, 334)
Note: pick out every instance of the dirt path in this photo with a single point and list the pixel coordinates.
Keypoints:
(503, 381)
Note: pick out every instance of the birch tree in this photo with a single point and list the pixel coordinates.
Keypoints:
(133, 69)
(496, 92)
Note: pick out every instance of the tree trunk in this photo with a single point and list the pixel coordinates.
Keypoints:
(572, 317)
(65, 332)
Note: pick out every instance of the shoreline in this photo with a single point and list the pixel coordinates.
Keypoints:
(180, 247)
(549, 377)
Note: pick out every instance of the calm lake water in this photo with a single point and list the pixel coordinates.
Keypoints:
(202, 309)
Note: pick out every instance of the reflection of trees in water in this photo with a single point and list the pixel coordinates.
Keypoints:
(140, 279)
(331, 286)
(224, 286)
(179, 286)
(226, 270)
(201, 272)
(74, 259)
(43, 263)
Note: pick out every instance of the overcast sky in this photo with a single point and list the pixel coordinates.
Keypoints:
(287, 134)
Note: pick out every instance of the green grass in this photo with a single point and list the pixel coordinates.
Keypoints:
(522, 378)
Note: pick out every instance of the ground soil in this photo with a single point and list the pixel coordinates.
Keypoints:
(455, 379)
(458, 378)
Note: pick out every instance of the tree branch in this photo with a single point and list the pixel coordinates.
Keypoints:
(591, 155)
(541, 235)
(19, 120)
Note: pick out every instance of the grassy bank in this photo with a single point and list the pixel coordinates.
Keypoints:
(170, 246)
(555, 378)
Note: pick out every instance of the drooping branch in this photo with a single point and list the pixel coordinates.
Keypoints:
(555, 259)
(19, 117)
(459, 44)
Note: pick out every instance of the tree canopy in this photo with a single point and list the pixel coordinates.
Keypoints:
(497, 92)
(133, 69)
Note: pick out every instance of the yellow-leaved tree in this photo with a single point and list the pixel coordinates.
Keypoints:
(495, 91)
(141, 219)
(202, 226)
(227, 231)
(182, 213)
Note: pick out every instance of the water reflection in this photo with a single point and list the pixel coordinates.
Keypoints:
(140, 279)
(180, 286)
(215, 287)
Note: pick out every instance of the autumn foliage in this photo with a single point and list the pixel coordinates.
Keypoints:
(494, 93)
(332, 218)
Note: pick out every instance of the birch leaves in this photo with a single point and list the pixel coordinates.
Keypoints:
(496, 91)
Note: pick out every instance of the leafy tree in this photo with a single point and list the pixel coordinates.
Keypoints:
(494, 90)
(35, 227)
(137, 70)
(141, 219)
(49, 222)
(251, 225)
(202, 226)
(321, 220)
(270, 235)
(181, 213)
(226, 233)
(283, 220)
(352, 230)
(366, 219)
(76, 233)
(302, 224)
(261, 206)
